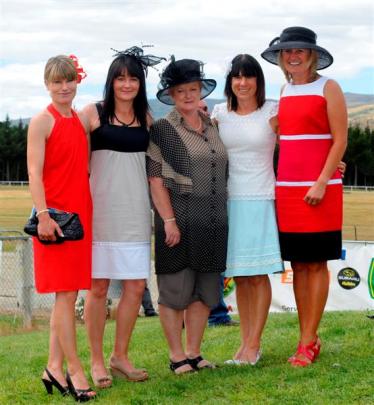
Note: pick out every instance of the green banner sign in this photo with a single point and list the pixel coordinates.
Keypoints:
(371, 279)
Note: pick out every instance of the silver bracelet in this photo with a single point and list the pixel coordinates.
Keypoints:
(169, 220)
(41, 212)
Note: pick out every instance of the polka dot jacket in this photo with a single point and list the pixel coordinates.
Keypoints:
(194, 168)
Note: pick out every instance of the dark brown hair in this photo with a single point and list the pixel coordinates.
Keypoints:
(245, 65)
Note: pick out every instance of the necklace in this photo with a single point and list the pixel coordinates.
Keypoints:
(199, 127)
(123, 123)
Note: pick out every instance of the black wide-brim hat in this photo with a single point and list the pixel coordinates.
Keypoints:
(297, 38)
(181, 72)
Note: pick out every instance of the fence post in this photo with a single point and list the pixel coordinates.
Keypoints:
(27, 283)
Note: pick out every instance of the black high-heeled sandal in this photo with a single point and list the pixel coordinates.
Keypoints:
(53, 382)
(78, 394)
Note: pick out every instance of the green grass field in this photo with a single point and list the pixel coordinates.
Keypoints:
(343, 375)
(15, 207)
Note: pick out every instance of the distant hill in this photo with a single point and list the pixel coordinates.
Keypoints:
(362, 115)
(364, 101)
(360, 109)
(354, 100)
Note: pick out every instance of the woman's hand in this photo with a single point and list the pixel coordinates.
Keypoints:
(47, 228)
(315, 193)
(173, 235)
(342, 167)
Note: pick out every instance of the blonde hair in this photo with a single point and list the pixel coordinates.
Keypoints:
(59, 67)
(313, 63)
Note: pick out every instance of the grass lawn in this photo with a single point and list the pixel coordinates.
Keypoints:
(15, 207)
(342, 375)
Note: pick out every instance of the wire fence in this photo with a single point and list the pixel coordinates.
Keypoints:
(18, 296)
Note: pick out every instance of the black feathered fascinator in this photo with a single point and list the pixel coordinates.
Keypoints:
(138, 53)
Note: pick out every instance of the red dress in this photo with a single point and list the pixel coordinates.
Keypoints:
(66, 266)
(308, 233)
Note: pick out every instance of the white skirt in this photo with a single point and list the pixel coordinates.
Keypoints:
(121, 260)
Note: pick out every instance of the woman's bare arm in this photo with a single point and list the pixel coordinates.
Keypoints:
(38, 132)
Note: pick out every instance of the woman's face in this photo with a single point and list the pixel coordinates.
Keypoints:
(62, 91)
(186, 96)
(244, 87)
(125, 87)
(296, 60)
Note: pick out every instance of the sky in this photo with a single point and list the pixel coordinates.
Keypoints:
(213, 31)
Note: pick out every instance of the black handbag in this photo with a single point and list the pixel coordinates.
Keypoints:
(69, 223)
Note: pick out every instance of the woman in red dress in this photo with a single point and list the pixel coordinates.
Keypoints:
(57, 159)
(313, 137)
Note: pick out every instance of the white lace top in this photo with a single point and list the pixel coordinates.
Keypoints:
(250, 144)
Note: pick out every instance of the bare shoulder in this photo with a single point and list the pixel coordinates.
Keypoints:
(90, 117)
(90, 109)
(83, 117)
(333, 93)
(42, 122)
(332, 86)
(149, 120)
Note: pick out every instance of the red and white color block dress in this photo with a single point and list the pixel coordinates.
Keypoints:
(308, 233)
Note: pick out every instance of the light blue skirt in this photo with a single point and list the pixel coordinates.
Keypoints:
(253, 244)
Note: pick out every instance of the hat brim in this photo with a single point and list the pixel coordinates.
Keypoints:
(207, 87)
(325, 59)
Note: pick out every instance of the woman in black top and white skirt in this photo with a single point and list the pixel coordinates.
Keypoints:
(122, 212)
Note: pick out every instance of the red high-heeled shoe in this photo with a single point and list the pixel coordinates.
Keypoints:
(315, 346)
(308, 355)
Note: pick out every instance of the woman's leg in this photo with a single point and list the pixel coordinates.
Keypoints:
(56, 355)
(196, 318)
(259, 297)
(313, 300)
(172, 324)
(300, 288)
(318, 290)
(127, 313)
(95, 318)
(64, 321)
(242, 300)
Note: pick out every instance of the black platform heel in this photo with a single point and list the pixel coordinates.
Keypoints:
(53, 382)
(78, 394)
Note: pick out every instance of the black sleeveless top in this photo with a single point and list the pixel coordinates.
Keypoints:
(118, 138)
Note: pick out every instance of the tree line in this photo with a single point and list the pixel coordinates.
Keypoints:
(13, 151)
(359, 155)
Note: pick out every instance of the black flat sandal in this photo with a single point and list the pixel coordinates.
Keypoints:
(177, 364)
(195, 361)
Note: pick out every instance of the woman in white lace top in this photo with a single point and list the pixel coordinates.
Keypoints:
(247, 128)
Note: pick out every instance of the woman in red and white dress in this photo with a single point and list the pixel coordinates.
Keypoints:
(313, 137)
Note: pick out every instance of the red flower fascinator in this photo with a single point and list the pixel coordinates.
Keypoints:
(81, 74)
